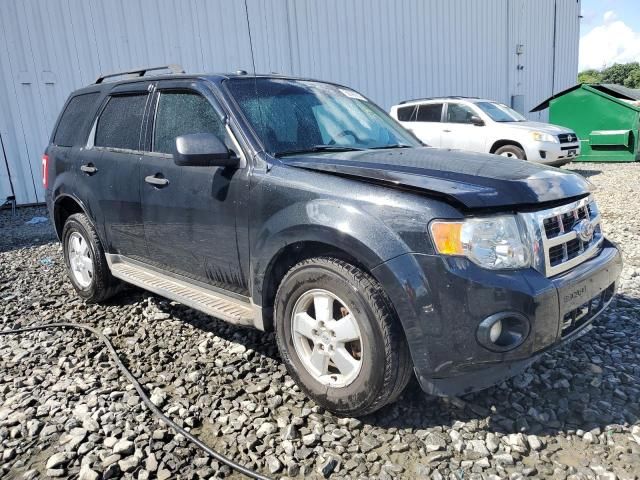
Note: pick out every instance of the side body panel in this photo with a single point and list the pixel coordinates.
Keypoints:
(190, 224)
(368, 222)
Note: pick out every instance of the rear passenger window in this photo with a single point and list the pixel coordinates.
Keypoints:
(120, 123)
(182, 113)
(407, 114)
(73, 120)
(430, 112)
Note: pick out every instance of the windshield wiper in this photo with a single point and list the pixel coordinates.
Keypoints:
(395, 145)
(318, 148)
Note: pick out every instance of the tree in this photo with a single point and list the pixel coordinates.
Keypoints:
(633, 80)
(590, 76)
(618, 72)
(627, 74)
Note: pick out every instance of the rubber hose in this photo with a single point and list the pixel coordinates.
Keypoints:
(155, 410)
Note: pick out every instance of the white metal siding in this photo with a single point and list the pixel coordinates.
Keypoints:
(389, 51)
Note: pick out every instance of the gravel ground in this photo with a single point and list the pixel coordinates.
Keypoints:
(66, 412)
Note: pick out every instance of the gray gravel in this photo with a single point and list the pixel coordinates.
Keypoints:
(66, 412)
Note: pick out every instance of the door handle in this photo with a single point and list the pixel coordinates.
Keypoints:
(447, 131)
(89, 168)
(156, 181)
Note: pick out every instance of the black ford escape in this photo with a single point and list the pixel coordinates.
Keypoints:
(300, 206)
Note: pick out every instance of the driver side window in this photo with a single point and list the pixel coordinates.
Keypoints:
(181, 113)
(459, 113)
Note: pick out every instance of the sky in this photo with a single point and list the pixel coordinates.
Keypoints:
(609, 33)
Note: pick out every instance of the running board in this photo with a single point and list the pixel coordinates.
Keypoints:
(211, 302)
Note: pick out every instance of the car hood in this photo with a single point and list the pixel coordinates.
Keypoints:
(472, 180)
(539, 127)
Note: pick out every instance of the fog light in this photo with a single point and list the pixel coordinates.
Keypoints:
(503, 331)
(495, 331)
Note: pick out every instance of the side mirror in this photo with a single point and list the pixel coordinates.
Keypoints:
(203, 150)
(477, 121)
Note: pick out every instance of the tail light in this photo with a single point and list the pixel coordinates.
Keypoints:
(45, 170)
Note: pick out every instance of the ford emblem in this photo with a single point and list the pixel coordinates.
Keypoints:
(584, 230)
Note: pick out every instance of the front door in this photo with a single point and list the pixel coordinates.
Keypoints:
(189, 213)
(459, 132)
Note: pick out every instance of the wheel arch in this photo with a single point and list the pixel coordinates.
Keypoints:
(288, 255)
(63, 207)
(503, 142)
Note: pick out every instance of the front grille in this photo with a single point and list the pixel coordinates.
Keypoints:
(562, 235)
(567, 138)
(578, 317)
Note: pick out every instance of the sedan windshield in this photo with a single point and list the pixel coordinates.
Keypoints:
(299, 116)
(500, 113)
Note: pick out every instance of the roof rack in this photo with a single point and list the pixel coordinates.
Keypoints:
(435, 98)
(142, 71)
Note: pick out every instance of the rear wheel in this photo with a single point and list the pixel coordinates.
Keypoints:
(85, 260)
(511, 151)
(340, 338)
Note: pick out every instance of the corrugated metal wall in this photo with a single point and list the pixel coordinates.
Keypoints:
(388, 50)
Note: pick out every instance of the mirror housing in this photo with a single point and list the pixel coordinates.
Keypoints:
(203, 150)
(477, 121)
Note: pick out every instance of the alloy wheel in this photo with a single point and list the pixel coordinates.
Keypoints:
(327, 338)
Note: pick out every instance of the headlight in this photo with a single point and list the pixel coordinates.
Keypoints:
(544, 137)
(491, 242)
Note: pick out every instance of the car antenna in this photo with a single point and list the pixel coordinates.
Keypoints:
(253, 60)
(253, 63)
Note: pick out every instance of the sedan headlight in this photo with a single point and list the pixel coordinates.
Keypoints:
(544, 137)
(492, 242)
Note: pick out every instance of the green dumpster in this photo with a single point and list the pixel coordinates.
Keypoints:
(606, 117)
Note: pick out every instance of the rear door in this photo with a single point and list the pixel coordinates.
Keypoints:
(190, 221)
(110, 169)
(424, 121)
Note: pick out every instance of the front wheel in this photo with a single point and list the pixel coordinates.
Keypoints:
(340, 338)
(511, 151)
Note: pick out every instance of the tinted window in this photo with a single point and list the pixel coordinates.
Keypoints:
(405, 114)
(458, 113)
(73, 120)
(430, 112)
(181, 113)
(120, 123)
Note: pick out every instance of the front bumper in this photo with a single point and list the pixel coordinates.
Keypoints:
(550, 153)
(441, 301)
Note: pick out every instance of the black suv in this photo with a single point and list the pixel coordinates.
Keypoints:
(300, 206)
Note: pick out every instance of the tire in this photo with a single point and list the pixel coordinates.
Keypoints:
(511, 151)
(98, 284)
(385, 365)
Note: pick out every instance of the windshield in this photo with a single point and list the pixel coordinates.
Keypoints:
(500, 113)
(296, 116)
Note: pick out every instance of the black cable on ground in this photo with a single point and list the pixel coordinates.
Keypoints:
(155, 410)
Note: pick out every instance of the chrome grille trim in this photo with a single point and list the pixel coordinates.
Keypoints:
(556, 247)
